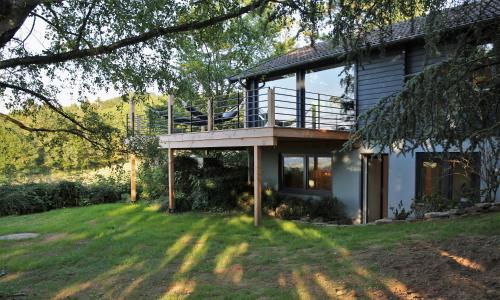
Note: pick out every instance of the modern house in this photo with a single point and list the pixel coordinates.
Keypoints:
(294, 115)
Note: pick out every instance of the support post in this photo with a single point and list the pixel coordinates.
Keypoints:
(133, 179)
(271, 121)
(257, 185)
(171, 180)
(170, 113)
(210, 119)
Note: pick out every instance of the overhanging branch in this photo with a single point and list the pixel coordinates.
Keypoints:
(49, 102)
(106, 49)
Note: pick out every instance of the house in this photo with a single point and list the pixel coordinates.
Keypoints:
(294, 117)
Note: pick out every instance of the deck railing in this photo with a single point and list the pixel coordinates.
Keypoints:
(264, 107)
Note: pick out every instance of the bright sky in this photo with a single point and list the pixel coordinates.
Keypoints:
(36, 42)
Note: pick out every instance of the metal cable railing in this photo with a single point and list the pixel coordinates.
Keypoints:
(249, 109)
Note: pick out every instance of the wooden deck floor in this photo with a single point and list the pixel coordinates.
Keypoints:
(245, 137)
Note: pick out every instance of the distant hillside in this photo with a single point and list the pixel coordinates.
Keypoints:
(23, 154)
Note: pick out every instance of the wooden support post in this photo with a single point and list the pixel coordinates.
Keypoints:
(170, 113)
(171, 180)
(270, 108)
(257, 185)
(133, 179)
(210, 119)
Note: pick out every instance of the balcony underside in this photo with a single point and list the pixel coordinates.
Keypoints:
(236, 138)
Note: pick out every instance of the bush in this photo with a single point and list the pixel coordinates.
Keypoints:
(292, 208)
(432, 203)
(39, 197)
(400, 213)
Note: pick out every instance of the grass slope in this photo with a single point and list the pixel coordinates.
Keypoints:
(131, 251)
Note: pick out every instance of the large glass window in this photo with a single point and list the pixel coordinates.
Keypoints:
(286, 81)
(310, 172)
(328, 82)
(445, 177)
(293, 172)
(285, 97)
(319, 173)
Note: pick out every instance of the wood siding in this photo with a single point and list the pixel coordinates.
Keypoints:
(379, 77)
(417, 59)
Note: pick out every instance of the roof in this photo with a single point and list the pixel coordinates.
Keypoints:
(477, 12)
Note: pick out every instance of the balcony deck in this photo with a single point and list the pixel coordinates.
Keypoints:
(246, 137)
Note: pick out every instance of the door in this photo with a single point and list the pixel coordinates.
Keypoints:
(375, 173)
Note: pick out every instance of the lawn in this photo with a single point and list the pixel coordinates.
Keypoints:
(131, 251)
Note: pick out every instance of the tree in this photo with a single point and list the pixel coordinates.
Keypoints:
(452, 105)
(127, 45)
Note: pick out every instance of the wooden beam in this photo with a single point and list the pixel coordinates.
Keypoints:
(171, 180)
(133, 179)
(257, 185)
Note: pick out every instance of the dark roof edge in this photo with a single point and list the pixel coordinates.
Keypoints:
(241, 76)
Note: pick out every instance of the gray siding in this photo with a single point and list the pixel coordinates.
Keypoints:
(417, 59)
(379, 77)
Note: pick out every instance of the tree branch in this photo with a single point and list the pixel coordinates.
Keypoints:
(81, 30)
(46, 100)
(105, 49)
(75, 132)
(14, 13)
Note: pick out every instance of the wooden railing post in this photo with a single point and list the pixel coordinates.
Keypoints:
(210, 119)
(271, 121)
(170, 106)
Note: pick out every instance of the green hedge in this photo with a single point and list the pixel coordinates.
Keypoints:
(39, 197)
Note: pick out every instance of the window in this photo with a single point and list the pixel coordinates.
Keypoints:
(328, 82)
(446, 177)
(309, 172)
(293, 172)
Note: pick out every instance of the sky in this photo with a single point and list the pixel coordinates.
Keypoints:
(36, 42)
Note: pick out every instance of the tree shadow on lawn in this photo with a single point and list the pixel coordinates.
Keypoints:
(143, 254)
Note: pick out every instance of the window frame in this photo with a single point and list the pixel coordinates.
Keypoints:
(420, 157)
(305, 177)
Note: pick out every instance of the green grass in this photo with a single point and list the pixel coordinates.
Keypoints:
(131, 251)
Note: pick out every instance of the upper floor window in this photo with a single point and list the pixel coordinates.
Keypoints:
(329, 81)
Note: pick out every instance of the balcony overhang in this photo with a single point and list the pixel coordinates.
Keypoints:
(246, 137)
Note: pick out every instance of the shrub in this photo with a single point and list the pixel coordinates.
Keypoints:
(39, 197)
(399, 212)
(289, 208)
(431, 203)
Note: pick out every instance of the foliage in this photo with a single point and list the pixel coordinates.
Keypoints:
(400, 213)
(289, 208)
(38, 197)
(432, 203)
(451, 105)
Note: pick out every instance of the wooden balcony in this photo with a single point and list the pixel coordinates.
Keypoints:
(263, 117)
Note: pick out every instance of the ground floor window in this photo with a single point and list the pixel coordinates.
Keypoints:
(445, 176)
(310, 172)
